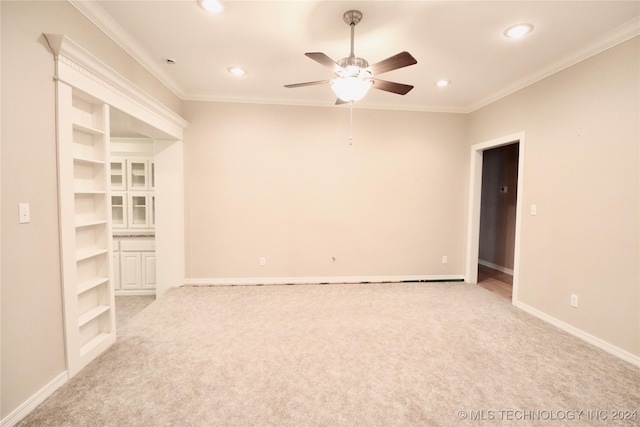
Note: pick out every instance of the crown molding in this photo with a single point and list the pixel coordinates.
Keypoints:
(105, 22)
(608, 40)
(362, 105)
(96, 14)
(79, 68)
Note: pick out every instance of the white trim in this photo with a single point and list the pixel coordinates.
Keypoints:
(133, 292)
(495, 267)
(30, 404)
(362, 105)
(80, 69)
(475, 193)
(608, 40)
(315, 280)
(105, 22)
(579, 333)
(170, 217)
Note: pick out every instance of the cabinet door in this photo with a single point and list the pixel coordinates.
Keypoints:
(130, 272)
(138, 209)
(119, 211)
(138, 174)
(148, 270)
(118, 174)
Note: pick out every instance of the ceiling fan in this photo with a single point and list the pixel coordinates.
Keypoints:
(354, 76)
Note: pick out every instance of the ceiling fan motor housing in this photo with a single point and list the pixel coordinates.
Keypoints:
(353, 66)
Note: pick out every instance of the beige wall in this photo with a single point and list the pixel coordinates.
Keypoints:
(283, 182)
(31, 308)
(581, 170)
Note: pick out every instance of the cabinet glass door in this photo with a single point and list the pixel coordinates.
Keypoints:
(118, 211)
(138, 210)
(118, 175)
(138, 175)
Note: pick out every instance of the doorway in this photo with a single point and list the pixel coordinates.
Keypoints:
(499, 195)
(495, 212)
(87, 92)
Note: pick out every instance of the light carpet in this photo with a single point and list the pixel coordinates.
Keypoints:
(127, 306)
(394, 354)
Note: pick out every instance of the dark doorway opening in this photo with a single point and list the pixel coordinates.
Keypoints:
(498, 219)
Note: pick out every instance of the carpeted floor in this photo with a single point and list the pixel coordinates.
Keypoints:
(395, 354)
(127, 306)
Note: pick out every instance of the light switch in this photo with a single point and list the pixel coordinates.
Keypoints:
(24, 214)
(534, 210)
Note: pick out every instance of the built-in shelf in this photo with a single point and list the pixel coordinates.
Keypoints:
(90, 223)
(91, 284)
(89, 161)
(92, 314)
(82, 128)
(85, 224)
(94, 343)
(89, 253)
(90, 192)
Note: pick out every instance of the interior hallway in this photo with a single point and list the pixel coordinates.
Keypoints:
(496, 281)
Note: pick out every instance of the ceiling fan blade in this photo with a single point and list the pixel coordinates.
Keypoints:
(340, 101)
(323, 59)
(403, 59)
(399, 88)
(319, 82)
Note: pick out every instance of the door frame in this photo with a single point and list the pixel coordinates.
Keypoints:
(80, 69)
(475, 201)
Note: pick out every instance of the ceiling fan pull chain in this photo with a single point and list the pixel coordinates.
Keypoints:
(351, 123)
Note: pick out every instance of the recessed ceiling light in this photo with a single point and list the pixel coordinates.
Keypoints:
(442, 83)
(237, 71)
(213, 6)
(518, 31)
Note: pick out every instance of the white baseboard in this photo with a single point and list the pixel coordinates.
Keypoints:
(134, 292)
(496, 266)
(316, 280)
(23, 410)
(604, 345)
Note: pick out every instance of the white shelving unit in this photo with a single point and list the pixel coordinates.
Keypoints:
(85, 218)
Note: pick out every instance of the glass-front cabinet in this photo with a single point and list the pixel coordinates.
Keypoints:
(132, 194)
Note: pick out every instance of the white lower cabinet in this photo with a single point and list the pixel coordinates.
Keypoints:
(148, 263)
(137, 259)
(130, 269)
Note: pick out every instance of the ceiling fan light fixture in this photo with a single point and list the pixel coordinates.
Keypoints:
(213, 6)
(350, 89)
(442, 83)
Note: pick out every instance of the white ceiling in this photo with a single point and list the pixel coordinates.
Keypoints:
(459, 41)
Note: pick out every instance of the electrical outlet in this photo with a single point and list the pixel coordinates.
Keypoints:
(263, 261)
(24, 213)
(574, 300)
(445, 259)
